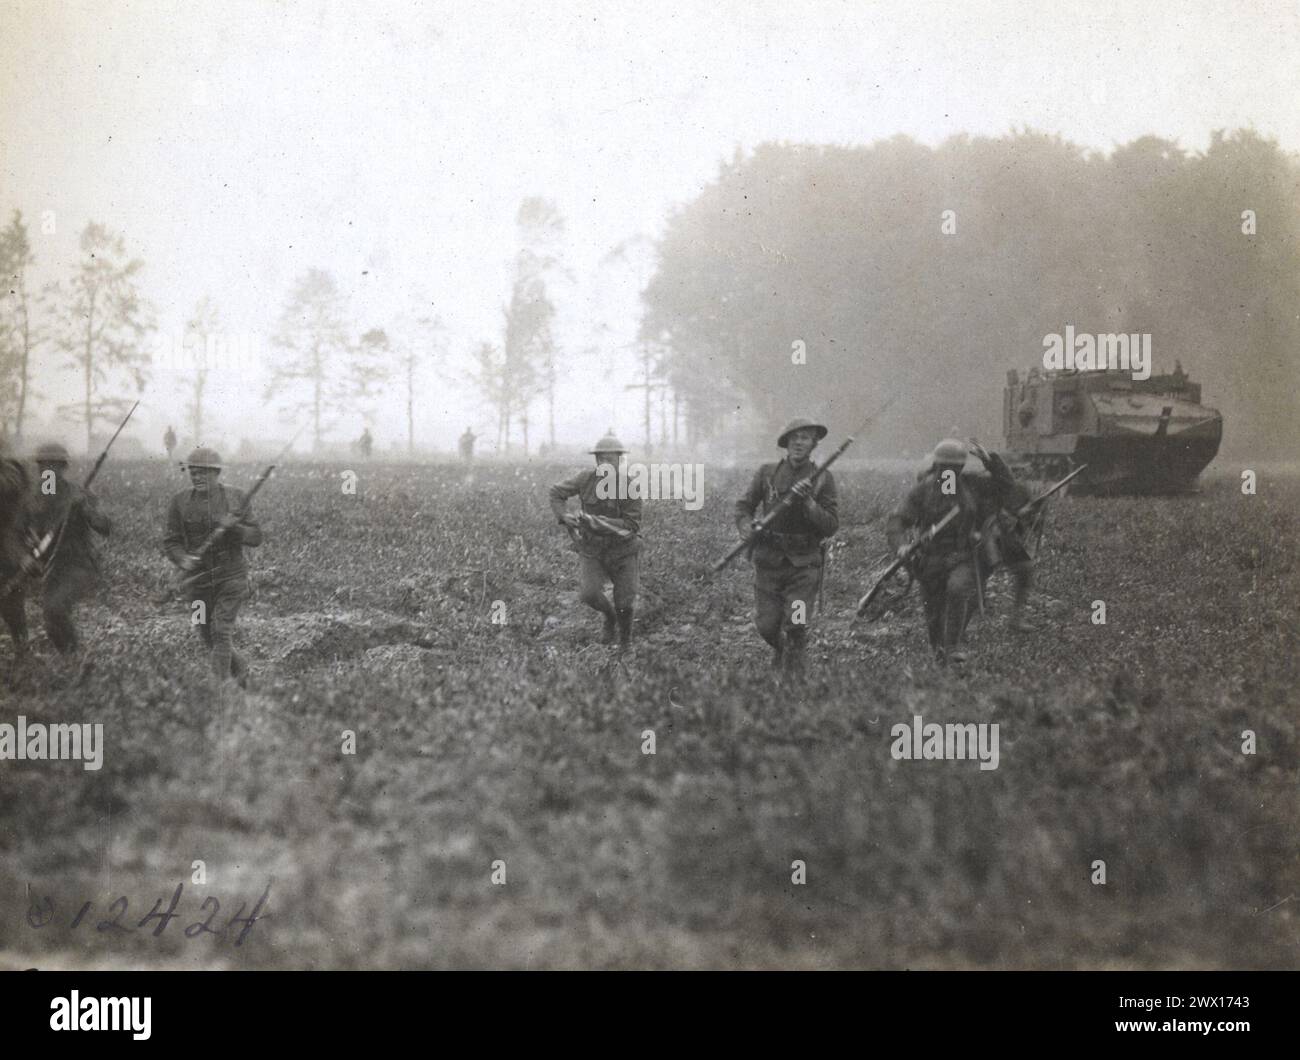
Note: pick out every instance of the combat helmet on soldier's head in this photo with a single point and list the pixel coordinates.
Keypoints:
(949, 451)
(51, 453)
(609, 444)
(800, 423)
(203, 456)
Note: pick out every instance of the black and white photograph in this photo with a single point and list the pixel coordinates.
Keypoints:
(609, 486)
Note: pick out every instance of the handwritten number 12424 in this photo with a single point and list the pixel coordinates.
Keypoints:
(41, 913)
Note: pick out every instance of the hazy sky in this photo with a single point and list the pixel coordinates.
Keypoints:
(236, 144)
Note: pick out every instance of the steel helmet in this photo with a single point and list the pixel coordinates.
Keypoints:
(800, 423)
(51, 453)
(949, 451)
(202, 456)
(609, 444)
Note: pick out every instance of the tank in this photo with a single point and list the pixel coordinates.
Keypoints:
(1136, 436)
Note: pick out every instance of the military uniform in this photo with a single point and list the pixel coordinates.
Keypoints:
(14, 505)
(605, 555)
(72, 570)
(947, 571)
(787, 556)
(221, 579)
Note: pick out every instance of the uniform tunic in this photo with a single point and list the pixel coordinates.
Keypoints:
(14, 505)
(604, 557)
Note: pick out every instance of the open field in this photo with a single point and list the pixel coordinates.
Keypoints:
(520, 742)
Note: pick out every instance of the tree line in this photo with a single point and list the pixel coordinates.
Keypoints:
(931, 271)
(322, 366)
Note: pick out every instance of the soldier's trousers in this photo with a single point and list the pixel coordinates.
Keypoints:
(784, 597)
(13, 610)
(623, 570)
(64, 588)
(221, 604)
(948, 594)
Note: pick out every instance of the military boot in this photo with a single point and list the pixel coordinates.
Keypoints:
(625, 627)
(607, 634)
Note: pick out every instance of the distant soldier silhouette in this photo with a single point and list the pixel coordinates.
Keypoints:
(467, 446)
(365, 444)
(72, 570)
(219, 579)
(606, 534)
(169, 442)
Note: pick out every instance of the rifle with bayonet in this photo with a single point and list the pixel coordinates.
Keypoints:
(794, 493)
(45, 549)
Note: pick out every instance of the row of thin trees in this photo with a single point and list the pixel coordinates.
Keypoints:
(322, 368)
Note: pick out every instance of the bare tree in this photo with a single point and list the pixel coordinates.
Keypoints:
(102, 322)
(201, 333)
(309, 378)
(18, 338)
(493, 382)
(410, 359)
(369, 368)
(537, 269)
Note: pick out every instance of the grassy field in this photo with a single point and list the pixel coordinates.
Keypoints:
(522, 743)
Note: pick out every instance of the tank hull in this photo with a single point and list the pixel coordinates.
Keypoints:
(1119, 464)
(1148, 437)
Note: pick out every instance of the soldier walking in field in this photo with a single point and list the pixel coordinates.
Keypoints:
(72, 572)
(467, 446)
(606, 532)
(957, 562)
(217, 579)
(788, 556)
(169, 442)
(365, 444)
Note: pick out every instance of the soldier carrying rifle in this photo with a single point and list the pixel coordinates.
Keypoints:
(606, 533)
(787, 554)
(958, 559)
(64, 514)
(218, 578)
